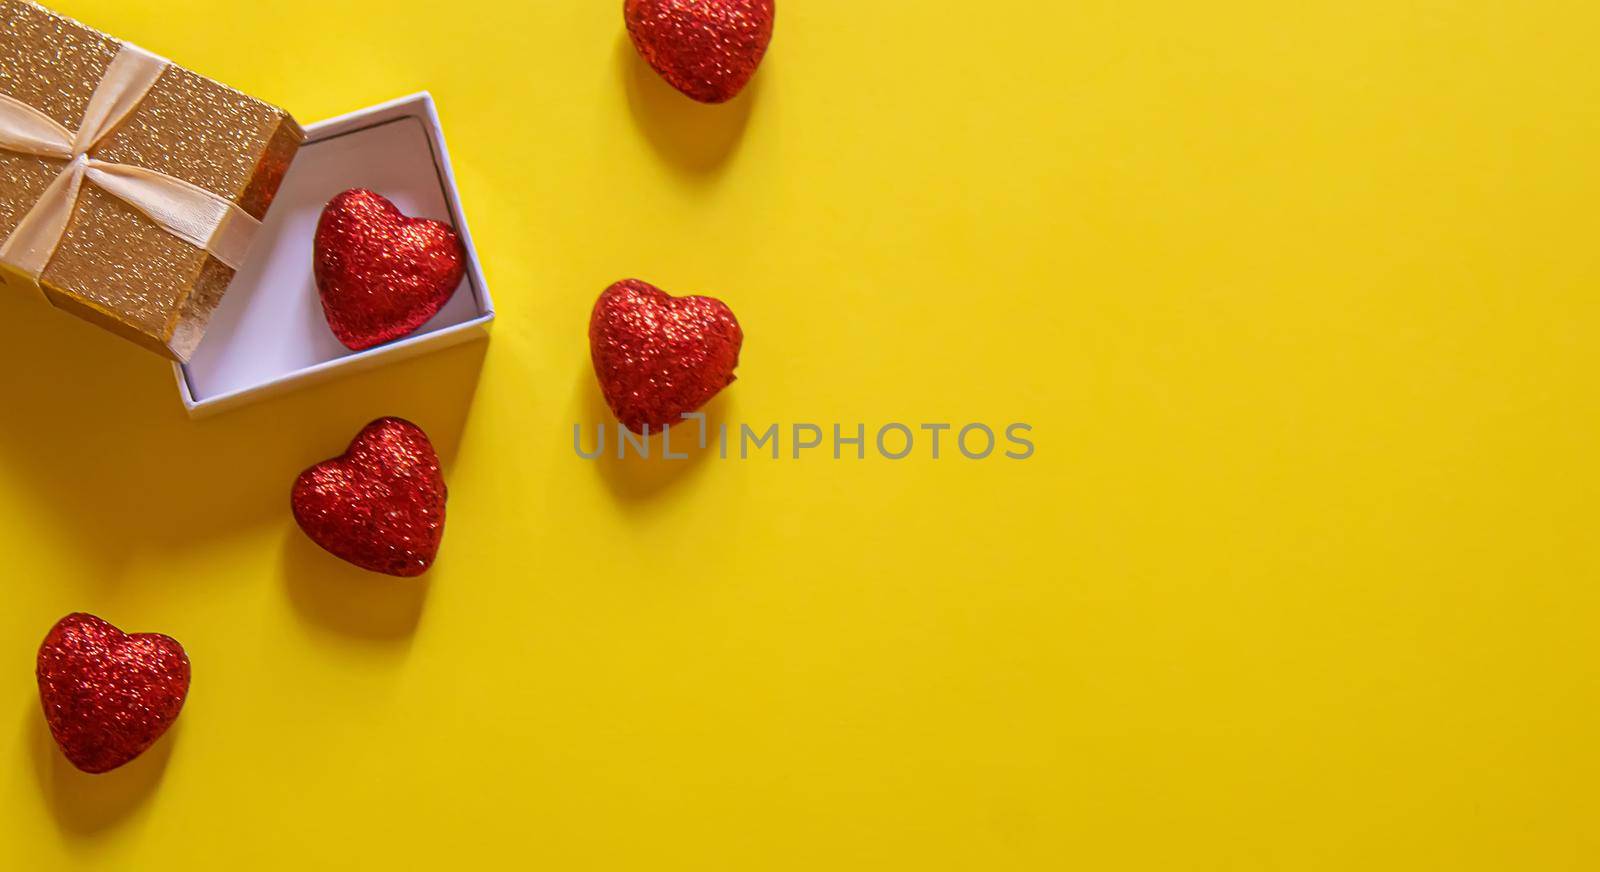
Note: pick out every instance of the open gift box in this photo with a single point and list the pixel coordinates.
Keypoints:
(269, 334)
(179, 213)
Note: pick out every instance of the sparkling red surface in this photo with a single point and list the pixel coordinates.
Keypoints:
(380, 505)
(658, 356)
(707, 49)
(108, 695)
(381, 274)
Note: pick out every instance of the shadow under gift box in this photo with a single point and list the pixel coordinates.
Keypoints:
(96, 255)
(269, 334)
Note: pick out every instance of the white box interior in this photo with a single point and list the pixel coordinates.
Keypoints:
(270, 331)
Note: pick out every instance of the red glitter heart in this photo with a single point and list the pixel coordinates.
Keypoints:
(380, 505)
(382, 275)
(707, 49)
(108, 695)
(658, 356)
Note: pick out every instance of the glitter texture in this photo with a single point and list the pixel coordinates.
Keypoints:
(380, 505)
(658, 356)
(114, 266)
(109, 695)
(382, 275)
(708, 49)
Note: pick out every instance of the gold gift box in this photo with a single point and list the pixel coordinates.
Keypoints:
(113, 265)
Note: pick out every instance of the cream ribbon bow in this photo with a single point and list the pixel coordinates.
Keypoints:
(187, 211)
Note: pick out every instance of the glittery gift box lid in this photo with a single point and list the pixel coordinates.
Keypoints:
(114, 266)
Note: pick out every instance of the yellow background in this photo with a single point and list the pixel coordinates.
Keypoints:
(1300, 298)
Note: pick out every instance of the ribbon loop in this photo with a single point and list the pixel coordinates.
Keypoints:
(193, 214)
(26, 129)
